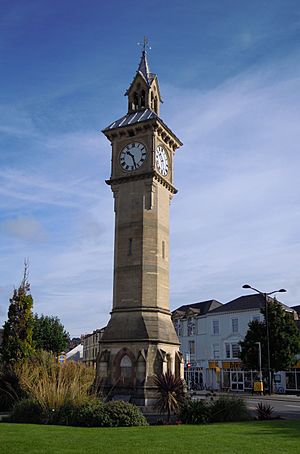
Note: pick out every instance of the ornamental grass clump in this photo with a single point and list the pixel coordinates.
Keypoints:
(52, 385)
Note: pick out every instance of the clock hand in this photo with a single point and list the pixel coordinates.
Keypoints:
(134, 163)
(132, 157)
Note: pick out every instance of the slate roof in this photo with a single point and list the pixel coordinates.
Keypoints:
(246, 302)
(132, 118)
(200, 308)
(139, 116)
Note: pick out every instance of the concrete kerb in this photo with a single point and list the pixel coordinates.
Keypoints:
(278, 397)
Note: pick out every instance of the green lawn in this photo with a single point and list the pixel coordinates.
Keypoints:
(241, 438)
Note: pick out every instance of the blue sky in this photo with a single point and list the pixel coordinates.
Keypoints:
(230, 80)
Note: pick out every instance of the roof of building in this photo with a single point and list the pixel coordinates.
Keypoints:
(144, 68)
(96, 331)
(200, 308)
(138, 116)
(246, 302)
(132, 118)
(76, 353)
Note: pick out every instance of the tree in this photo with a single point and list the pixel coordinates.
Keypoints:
(171, 393)
(17, 335)
(284, 338)
(49, 334)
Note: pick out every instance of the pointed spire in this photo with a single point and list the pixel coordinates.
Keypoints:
(143, 92)
(144, 67)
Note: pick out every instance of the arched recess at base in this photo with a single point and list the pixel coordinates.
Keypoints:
(125, 367)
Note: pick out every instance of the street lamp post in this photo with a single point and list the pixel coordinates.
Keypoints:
(259, 360)
(265, 295)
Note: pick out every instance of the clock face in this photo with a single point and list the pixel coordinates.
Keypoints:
(161, 159)
(133, 156)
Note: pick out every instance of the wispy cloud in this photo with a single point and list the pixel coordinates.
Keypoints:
(237, 175)
(239, 192)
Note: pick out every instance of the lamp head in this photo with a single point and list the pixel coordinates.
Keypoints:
(246, 286)
(282, 290)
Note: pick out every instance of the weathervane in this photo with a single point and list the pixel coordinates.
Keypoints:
(145, 44)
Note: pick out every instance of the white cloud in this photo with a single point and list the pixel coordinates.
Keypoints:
(235, 218)
(239, 188)
(25, 227)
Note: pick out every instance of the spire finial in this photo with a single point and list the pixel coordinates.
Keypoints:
(145, 44)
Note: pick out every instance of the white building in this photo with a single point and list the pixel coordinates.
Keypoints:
(210, 333)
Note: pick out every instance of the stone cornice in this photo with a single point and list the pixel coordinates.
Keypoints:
(142, 309)
(138, 340)
(143, 176)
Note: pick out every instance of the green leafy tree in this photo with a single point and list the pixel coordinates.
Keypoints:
(17, 335)
(284, 339)
(49, 334)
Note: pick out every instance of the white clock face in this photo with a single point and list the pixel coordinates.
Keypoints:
(133, 156)
(161, 159)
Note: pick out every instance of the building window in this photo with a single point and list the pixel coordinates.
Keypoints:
(215, 327)
(191, 326)
(235, 325)
(192, 347)
(126, 367)
(216, 351)
(227, 351)
(256, 318)
(232, 350)
(163, 248)
(178, 327)
(235, 350)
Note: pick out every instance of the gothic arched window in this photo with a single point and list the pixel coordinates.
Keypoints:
(143, 98)
(135, 104)
(126, 367)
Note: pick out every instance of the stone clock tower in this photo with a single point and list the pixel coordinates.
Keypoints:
(139, 340)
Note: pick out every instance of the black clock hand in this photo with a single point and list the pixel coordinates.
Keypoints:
(132, 157)
(134, 163)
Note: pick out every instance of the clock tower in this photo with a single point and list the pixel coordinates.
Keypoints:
(140, 340)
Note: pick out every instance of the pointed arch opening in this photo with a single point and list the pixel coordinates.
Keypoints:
(125, 368)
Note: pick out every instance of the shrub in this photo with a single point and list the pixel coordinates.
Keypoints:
(264, 411)
(89, 414)
(195, 412)
(27, 411)
(228, 409)
(124, 414)
(10, 389)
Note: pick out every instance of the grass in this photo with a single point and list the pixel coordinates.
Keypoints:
(234, 438)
